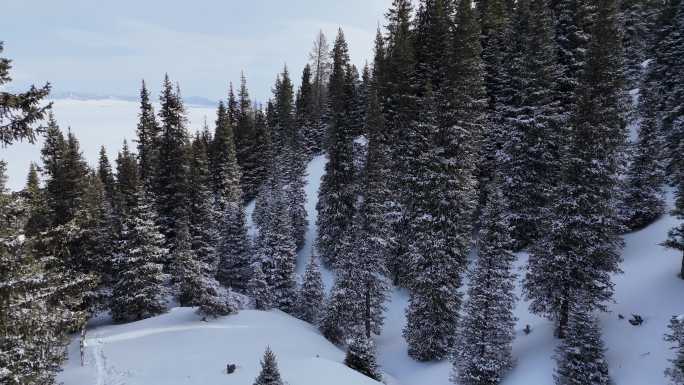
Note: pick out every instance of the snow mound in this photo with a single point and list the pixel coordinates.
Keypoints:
(178, 348)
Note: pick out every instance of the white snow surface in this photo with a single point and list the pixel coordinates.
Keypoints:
(177, 348)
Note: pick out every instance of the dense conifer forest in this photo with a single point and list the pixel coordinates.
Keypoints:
(494, 126)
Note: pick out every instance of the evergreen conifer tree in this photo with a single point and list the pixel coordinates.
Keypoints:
(580, 357)
(675, 373)
(486, 332)
(336, 196)
(311, 296)
(21, 114)
(126, 181)
(172, 176)
(269, 374)
(581, 249)
(233, 247)
(436, 260)
(529, 112)
(140, 290)
(361, 357)
(644, 201)
(259, 289)
(148, 133)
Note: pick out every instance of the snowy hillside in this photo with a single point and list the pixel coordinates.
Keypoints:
(177, 348)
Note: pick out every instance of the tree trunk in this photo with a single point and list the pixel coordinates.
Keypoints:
(368, 311)
(563, 319)
(681, 273)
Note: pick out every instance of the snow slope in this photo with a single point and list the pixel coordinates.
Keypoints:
(176, 348)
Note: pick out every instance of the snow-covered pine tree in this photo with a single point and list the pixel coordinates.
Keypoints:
(259, 289)
(395, 90)
(311, 297)
(288, 139)
(675, 238)
(572, 20)
(336, 196)
(675, 373)
(494, 20)
(581, 248)
(36, 301)
(275, 247)
(269, 374)
(305, 113)
(195, 286)
(21, 114)
(148, 137)
(127, 181)
(486, 331)
(638, 21)
(580, 357)
(104, 172)
(37, 218)
(436, 260)
(358, 296)
(528, 111)
(321, 65)
(378, 237)
(644, 196)
(361, 357)
(172, 176)
(233, 246)
(244, 142)
(140, 290)
(204, 234)
(669, 75)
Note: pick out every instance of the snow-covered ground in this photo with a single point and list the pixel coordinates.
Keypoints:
(177, 348)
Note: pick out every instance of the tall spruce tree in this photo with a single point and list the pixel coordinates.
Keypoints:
(37, 301)
(436, 260)
(233, 247)
(321, 65)
(486, 332)
(399, 107)
(311, 296)
(148, 133)
(289, 140)
(361, 357)
(581, 249)
(275, 247)
(675, 373)
(580, 357)
(528, 110)
(638, 22)
(644, 196)
(140, 290)
(245, 141)
(172, 176)
(675, 238)
(104, 172)
(336, 196)
(127, 181)
(357, 298)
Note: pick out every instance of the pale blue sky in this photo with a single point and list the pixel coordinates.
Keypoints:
(106, 47)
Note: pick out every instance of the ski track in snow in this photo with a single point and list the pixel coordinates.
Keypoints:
(98, 342)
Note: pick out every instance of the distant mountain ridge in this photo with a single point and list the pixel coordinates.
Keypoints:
(198, 101)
